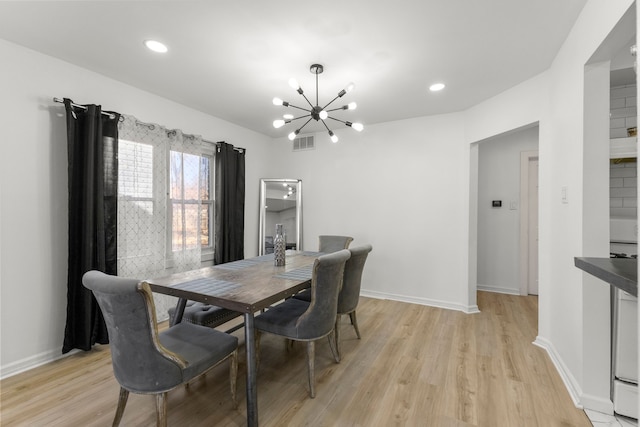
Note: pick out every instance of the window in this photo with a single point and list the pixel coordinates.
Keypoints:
(159, 224)
(191, 212)
(165, 203)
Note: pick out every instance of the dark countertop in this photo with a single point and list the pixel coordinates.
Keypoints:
(619, 272)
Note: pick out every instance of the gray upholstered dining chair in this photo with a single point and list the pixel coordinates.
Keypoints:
(309, 321)
(350, 293)
(145, 361)
(329, 244)
(208, 315)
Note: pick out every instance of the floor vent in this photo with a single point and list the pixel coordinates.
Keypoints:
(303, 143)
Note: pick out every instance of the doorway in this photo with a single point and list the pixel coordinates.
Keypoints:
(506, 204)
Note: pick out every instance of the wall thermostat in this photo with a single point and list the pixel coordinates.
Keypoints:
(496, 203)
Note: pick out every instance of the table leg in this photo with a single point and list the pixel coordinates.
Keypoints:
(177, 317)
(252, 390)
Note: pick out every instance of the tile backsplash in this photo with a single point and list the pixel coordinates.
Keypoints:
(623, 109)
(623, 189)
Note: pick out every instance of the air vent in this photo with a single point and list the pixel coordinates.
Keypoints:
(303, 143)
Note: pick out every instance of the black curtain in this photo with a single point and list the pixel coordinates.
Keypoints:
(92, 143)
(229, 204)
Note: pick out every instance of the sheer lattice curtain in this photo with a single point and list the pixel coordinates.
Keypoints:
(160, 210)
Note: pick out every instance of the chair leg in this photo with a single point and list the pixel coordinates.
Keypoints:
(122, 402)
(354, 322)
(311, 357)
(336, 333)
(333, 344)
(233, 378)
(161, 409)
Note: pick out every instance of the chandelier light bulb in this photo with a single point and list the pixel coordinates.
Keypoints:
(292, 135)
(334, 137)
(352, 106)
(357, 126)
(294, 83)
(324, 115)
(287, 116)
(351, 86)
(436, 87)
(278, 123)
(277, 101)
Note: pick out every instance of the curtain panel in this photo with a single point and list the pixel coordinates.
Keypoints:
(92, 144)
(159, 209)
(229, 203)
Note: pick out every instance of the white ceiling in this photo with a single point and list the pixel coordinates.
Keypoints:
(229, 59)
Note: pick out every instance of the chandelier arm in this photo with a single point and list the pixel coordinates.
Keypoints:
(305, 123)
(301, 117)
(336, 109)
(330, 102)
(307, 99)
(337, 120)
(299, 108)
(325, 125)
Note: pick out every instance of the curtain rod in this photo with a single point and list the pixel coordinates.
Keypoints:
(61, 101)
(188, 135)
(73, 104)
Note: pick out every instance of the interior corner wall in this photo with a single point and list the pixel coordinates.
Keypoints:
(499, 227)
(555, 100)
(33, 194)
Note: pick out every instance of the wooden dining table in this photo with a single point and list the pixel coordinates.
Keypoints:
(246, 286)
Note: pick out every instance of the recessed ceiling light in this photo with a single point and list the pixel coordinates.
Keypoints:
(156, 46)
(436, 87)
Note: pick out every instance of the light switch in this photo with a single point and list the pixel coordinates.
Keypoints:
(513, 205)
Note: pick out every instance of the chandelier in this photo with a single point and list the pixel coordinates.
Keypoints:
(316, 112)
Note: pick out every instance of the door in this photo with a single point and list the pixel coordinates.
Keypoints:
(532, 278)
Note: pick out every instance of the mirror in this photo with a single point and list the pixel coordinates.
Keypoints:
(280, 203)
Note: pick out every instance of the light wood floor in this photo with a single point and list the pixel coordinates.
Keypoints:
(415, 366)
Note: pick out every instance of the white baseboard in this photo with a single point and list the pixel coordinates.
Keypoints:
(569, 381)
(422, 301)
(28, 363)
(580, 399)
(499, 290)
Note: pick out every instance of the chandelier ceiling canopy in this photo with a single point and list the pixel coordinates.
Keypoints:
(316, 112)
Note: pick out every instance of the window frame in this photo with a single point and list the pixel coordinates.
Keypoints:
(208, 150)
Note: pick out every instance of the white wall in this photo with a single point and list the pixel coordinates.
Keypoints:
(499, 228)
(33, 193)
(392, 186)
(556, 100)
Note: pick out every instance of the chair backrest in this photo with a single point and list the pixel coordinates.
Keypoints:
(350, 292)
(328, 244)
(326, 281)
(140, 363)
